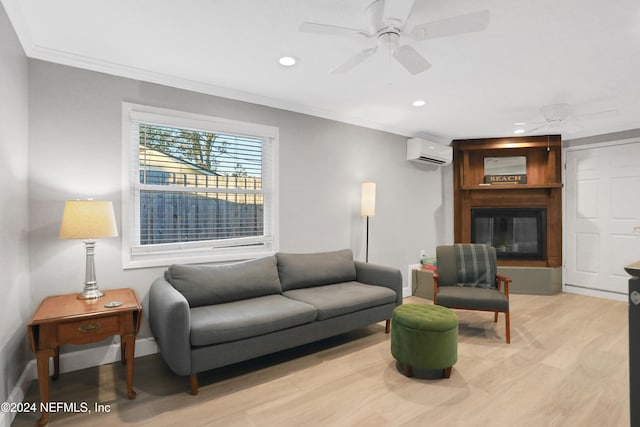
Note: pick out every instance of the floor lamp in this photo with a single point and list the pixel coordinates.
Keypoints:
(368, 208)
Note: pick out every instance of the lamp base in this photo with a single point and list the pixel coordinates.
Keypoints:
(90, 292)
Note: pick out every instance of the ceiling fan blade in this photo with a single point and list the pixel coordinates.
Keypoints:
(598, 115)
(411, 60)
(528, 131)
(331, 30)
(468, 23)
(374, 14)
(396, 12)
(354, 61)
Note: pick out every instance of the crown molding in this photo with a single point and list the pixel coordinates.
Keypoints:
(88, 63)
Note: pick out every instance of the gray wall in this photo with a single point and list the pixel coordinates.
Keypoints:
(75, 151)
(14, 256)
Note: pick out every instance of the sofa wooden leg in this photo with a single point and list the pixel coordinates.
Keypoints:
(193, 382)
(387, 326)
(495, 317)
(446, 372)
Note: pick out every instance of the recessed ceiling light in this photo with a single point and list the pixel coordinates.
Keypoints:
(287, 61)
(419, 103)
(518, 131)
(519, 124)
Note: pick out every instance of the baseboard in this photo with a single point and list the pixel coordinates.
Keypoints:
(74, 361)
(87, 358)
(599, 293)
(406, 292)
(17, 394)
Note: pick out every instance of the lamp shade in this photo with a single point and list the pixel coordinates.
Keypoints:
(88, 219)
(368, 204)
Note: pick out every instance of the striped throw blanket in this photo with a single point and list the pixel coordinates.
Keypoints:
(476, 265)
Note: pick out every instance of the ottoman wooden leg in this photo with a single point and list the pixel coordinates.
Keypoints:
(446, 372)
(408, 370)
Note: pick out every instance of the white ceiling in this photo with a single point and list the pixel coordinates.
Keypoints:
(534, 53)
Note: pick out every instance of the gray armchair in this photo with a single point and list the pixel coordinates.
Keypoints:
(467, 278)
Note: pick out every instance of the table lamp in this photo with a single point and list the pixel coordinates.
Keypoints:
(88, 220)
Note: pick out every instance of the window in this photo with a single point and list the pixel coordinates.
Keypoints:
(196, 188)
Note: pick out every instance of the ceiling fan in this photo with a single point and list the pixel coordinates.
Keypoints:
(387, 21)
(557, 116)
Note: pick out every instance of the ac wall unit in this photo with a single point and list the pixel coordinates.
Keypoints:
(423, 151)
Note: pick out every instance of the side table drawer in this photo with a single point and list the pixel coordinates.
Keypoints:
(88, 330)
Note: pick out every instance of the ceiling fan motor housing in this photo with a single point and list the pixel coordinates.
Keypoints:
(556, 112)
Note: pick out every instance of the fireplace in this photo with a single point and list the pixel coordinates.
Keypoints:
(516, 233)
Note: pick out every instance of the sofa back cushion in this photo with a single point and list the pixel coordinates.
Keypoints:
(208, 285)
(316, 269)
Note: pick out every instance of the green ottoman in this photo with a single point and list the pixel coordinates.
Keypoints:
(424, 336)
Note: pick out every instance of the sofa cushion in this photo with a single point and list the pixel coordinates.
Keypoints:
(247, 318)
(206, 285)
(343, 298)
(315, 269)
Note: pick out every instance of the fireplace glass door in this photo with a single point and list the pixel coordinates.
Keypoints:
(516, 233)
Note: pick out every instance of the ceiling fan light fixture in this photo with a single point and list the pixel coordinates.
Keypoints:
(389, 40)
(287, 61)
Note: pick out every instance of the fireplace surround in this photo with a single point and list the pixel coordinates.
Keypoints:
(537, 196)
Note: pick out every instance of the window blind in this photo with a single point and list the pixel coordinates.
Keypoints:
(198, 187)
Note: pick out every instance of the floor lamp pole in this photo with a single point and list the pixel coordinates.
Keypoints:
(366, 256)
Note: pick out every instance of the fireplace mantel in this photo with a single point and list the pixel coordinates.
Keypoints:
(543, 187)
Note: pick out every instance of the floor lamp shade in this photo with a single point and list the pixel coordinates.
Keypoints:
(88, 220)
(368, 208)
(368, 204)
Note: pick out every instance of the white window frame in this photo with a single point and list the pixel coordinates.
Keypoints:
(140, 256)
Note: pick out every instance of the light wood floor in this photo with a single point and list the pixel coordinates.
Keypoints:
(567, 365)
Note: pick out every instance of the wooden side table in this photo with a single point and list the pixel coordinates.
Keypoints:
(64, 319)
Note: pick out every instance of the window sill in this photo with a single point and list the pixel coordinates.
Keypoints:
(130, 262)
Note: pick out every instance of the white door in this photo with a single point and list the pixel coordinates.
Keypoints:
(602, 218)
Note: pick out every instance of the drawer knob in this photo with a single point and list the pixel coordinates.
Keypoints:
(90, 327)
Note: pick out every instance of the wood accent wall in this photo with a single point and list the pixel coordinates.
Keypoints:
(543, 187)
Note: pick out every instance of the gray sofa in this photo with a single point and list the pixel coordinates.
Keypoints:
(205, 317)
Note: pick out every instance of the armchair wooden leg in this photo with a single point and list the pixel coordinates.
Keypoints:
(495, 317)
(193, 382)
(387, 326)
(446, 372)
(507, 327)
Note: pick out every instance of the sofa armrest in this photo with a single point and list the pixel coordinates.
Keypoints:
(170, 322)
(379, 275)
